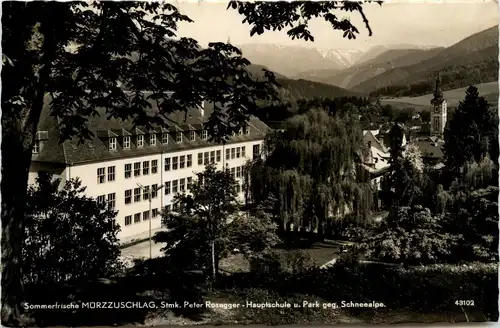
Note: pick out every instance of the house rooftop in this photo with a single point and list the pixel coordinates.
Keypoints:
(104, 128)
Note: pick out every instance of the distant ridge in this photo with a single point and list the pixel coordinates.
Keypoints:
(473, 60)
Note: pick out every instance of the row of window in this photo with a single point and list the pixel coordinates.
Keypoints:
(111, 199)
(178, 185)
(145, 191)
(174, 163)
(101, 174)
(145, 168)
(155, 213)
(145, 216)
(139, 140)
(238, 172)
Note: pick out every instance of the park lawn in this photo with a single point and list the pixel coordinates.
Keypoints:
(320, 254)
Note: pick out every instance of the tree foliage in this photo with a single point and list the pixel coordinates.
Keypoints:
(311, 171)
(207, 216)
(410, 235)
(69, 236)
(472, 132)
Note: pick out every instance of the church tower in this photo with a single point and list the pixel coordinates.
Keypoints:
(438, 111)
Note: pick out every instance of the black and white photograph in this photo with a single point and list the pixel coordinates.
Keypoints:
(181, 163)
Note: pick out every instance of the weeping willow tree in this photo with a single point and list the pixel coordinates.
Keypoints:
(310, 170)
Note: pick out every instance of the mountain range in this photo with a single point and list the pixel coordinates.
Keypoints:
(386, 70)
(470, 61)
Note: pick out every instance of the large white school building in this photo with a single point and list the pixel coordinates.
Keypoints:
(120, 163)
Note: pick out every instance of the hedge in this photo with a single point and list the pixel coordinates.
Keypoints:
(423, 289)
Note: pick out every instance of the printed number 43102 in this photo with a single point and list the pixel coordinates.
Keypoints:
(464, 303)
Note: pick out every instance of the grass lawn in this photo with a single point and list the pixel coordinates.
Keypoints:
(487, 90)
(320, 253)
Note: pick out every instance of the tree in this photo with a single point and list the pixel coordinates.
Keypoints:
(425, 115)
(410, 235)
(69, 237)
(200, 222)
(398, 178)
(207, 226)
(78, 52)
(472, 132)
(311, 172)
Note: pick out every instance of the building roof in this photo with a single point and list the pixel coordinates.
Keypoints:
(97, 148)
(430, 149)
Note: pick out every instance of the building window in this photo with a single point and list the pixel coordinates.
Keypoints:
(243, 152)
(101, 199)
(189, 162)
(128, 196)
(145, 215)
(112, 200)
(212, 156)
(204, 134)
(174, 186)
(233, 172)
(126, 142)
(233, 153)
(178, 137)
(128, 171)
(182, 184)
(228, 154)
(111, 173)
(145, 168)
(175, 161)
(218, 156)
(182, 162)
(154, 191)
(167, 164)
(192, 136)
(140, 141)
(112, 143)
(137, 217)
(101, 175)
(154, 166)
(164, 138)
(238, 171)
(137, 169)
(128, 220)
(206, 157)
(36, 147)
(238, 152)
(240, 132)
(256, 152)
(145, 193)
(167, 188)
(189, 182)
(154, 213)
(238, 189)
(200, 158)
(247, 130)
(152, 140)
(137, 195)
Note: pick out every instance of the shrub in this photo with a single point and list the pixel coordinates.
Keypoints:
(416, 289)
(69, 237)
(278, 261)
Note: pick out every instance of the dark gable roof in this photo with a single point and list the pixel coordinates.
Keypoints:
(430, 149)
(97, 149)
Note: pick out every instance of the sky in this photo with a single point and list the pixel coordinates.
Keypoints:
(417, 22)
